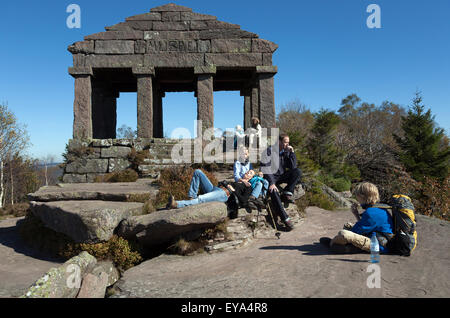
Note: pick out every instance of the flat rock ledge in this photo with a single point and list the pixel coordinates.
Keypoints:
(164, 226)
(122, 191)
(85, 221)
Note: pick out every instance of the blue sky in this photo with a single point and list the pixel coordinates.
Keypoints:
(326, 52)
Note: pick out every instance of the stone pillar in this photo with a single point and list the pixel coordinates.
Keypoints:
(82, 106)
(144, 101)
(205, 96)
(254, 101)
(247, 108)
(267, 96)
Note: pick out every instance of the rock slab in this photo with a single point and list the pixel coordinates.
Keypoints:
(85, 221)
(163, 226)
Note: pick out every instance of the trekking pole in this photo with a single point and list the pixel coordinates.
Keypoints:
(277, 234)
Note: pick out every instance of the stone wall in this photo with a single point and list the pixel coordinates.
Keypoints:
(88, 159)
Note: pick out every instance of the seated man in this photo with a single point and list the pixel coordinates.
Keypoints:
(357, 238)
(283, 171)
(220, 193)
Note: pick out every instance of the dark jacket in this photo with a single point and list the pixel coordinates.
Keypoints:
(287, 160)
(242, 192)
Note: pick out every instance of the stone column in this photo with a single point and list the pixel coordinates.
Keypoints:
(267, 96)
(205, 96)
(247, 108)
(144, 101)
(82, 106)
(254, 100)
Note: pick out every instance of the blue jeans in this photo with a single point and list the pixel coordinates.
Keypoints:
(260, 188)
(212, 193)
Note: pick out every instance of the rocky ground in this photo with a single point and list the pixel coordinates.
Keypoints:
(295, 266)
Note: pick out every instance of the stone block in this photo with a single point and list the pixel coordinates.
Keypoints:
(74, 178)
(169, 35)
(88, 166)
(123, 26)
(267, 59)
(108, 268)
(93, 286)
(171, 7)
(79, 60)
(204, 46)
(170, 16)
(210, 25)
(116, 165)
(102, 143)
(114, 61)
(209, 69)
(233, 59)
(263, 46)
(140, 47)
(85, 47)
(117, 35)
(226, 34)
(266, 69)
(152, 16)
(231, 46)
(191, 16)
(80, 70)
(171, 26)
(141, 25)
(114, 47)
(115, 152)
(174, 60)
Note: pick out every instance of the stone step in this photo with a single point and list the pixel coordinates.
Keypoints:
(123, 191)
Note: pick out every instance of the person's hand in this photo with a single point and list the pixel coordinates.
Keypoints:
(272, 188)
(231, 188)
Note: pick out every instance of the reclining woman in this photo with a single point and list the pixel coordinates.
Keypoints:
(356, 238)
(221, 193)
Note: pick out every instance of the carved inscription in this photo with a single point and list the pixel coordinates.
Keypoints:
(157, 46)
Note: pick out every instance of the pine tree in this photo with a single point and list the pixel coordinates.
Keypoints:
(422, 152)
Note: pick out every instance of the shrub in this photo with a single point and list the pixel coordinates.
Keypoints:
(314, 197)
(433, 198)
(127, 175)
(16, 210)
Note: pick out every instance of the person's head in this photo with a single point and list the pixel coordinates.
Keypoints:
(243, 153)
(255, 122)
(366, 193)
(239, 128)
(249, 175)
(284, 141)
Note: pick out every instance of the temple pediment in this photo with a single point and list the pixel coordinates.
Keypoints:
(157, 38)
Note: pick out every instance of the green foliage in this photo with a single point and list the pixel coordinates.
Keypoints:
(421, 152)
(315, 197)
(339, 184)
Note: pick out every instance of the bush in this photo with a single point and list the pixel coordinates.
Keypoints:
(123, 253)
(16, 210)
(433, 198)
(315, 197)
(339, 184)
(128, 175)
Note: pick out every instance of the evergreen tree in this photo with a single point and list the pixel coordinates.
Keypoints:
(422, 152)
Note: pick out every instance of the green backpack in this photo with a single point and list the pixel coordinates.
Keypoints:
(405, 235)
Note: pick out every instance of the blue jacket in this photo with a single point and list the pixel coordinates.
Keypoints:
(240, 169)
(374, 220)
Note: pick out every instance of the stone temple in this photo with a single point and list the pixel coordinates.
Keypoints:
(169, 49)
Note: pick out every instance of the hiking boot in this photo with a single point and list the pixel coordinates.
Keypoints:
(255, 203)
(289, 224)
(344, 249)
(171, 204)
(325, 241)
(287, 199)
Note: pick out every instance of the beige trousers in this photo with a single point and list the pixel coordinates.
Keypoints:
(347, 237)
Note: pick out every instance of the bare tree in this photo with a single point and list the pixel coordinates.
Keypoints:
(13, 140)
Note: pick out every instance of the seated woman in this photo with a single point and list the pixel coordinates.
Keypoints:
(356, 238)
(220, 193)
